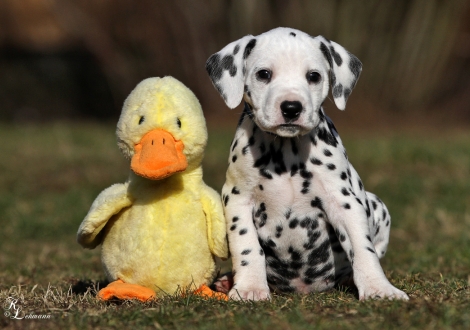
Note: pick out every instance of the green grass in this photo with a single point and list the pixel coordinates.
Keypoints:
(50, 174)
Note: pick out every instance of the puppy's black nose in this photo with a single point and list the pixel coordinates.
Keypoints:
(291, 110)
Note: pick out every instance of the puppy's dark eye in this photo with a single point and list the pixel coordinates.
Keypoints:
(141, 120)
(178, 121)
(313, 77)
(264, 75)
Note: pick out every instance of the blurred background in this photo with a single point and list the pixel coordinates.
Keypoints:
(79, 59)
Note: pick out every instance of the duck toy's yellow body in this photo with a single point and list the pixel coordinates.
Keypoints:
(161, 229)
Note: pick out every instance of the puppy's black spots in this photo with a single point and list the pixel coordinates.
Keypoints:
(233, 227)
(347, 92)
(268, 250)
(265, 173)
(235, 191)
(262, 207)
(346, 206)
(245, 149)
(141, 120)
(288, 213)
(314, 272)
(313, 139)
(360, 203)
(305, 174)
(264, 218)
(332, 78)
(271, 243)
(214, 68)
(236, 49)
(344, 176)
(293, 223)
(244, 263)
(249, 47)
(326, 52)
(337, 91)
(235, 219)
(326, 136)
(226, 199)
(342, 238)
(294, 169)
(263, 161)
(305, 186)
(246, 252)
(351, 254)
(368, 211)
(261, 187)
(320, 255)
(283, 270)
(355, 66)
(361, 186)
(261, 252)
(384, 214)
(292, 34)
(234, 158)
(336, 56)
(345, 192)
(374, 205)
(243, 231)
(279, 230)
(387, 224)
(316, 161)
(331, 167)
(295, 255)
(327, 153)
(313, 237)
(234, 145)
(317, 202)
(307, 222)
(227, 64)
(377, 231)
(369, 249)
(368, 238)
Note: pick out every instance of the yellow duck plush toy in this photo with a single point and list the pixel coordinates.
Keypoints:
(161, 229)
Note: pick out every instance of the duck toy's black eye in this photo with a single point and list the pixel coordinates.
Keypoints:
(141, 120)
(178, 121)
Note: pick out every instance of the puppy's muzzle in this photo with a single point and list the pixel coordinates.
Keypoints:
(291, 110)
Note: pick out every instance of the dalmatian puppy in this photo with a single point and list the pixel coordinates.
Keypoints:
(298, 217)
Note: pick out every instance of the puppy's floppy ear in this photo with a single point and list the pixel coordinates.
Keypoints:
(227, 69)
(345, 69)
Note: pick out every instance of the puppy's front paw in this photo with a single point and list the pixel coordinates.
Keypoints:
(239, 292)
(381, 290)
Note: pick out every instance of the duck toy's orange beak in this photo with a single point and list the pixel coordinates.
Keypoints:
(158, 155)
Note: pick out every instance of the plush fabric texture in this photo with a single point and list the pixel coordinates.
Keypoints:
(160, 231)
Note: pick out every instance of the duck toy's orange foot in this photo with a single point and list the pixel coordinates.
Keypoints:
(126, 291)
(206, 292)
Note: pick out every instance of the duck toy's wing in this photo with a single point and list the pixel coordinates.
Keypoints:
(216, 227)
(108, 203)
